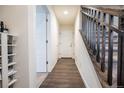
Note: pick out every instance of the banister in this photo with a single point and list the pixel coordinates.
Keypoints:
(97, 29)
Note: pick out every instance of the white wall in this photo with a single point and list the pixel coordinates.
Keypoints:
(31, 45)
(21, 20)
(83, 60)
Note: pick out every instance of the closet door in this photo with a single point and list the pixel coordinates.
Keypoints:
(41, 42)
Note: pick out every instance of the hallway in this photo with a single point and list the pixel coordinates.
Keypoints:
(64, 75)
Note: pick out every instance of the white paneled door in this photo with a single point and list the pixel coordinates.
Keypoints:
(66, 42)
(41, 38)
(41, 43)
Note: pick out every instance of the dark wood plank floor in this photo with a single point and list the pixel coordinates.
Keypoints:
(64, 75)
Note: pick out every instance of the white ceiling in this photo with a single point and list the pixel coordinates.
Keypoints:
(68, 19)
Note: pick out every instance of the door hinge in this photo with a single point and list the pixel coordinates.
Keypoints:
(46, 20)
(46, 62)
(46, 41)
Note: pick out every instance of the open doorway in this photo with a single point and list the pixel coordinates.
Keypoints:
(42, 22)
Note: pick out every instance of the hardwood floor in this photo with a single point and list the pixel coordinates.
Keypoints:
(64, 75)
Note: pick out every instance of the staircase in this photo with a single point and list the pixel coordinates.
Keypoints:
(103, 34)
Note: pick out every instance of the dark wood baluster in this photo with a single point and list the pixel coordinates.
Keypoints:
(94, 37)
(85, 19)
(98, 43)
(120, 72)
(103, 46)
(98, 39)
(88, 30)
(103, 50)
(86, 23)
(110, 52)
(83, 23)
(85, 27)
(91, 32)
(94, 34)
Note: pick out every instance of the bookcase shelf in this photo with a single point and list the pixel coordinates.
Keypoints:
(13, 45)
(11, 63)
(12, 82)
(12, 54)
(12, 73)
(7, 60)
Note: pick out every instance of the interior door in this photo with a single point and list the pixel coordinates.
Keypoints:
(42, 35)
(66, 44)
(41, 42)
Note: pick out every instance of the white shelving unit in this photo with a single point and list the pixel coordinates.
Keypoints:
(7, 60)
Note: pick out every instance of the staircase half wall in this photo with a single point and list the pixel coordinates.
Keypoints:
(82, 59)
